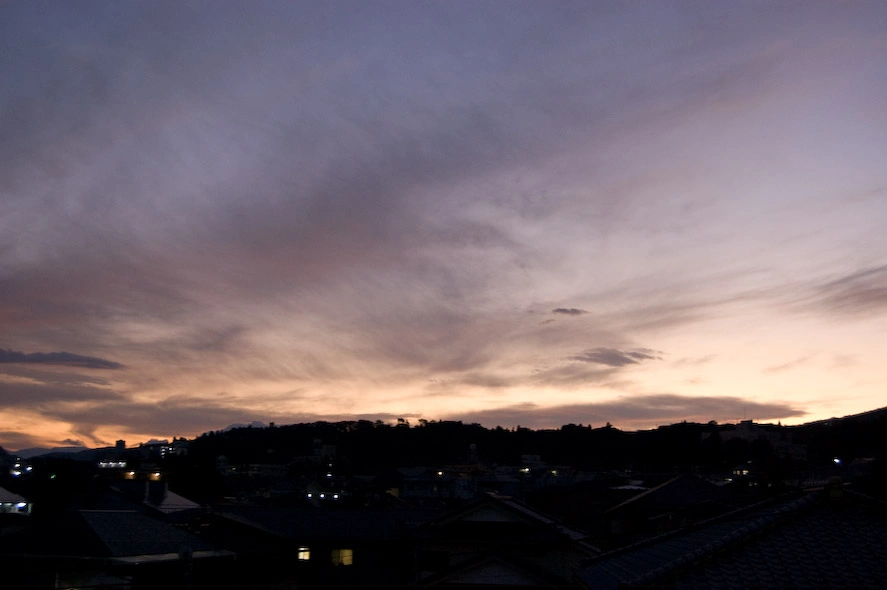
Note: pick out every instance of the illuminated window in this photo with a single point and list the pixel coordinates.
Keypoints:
(304, 554)
(342, 557)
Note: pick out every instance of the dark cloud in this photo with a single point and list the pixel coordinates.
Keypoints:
(57, 358)
(72, 442)
(31, 395)
(170, 417)
(613, 357)
(15, 440)
(568, 311)
(643, 411)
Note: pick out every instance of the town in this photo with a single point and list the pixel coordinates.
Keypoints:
(442, 504)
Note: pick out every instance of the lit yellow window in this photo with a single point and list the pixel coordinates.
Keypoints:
(342, 556)
(304, 554)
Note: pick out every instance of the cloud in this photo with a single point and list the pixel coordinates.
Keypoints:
(571, 375)
(571, 311)
(57, 358)
(53, 375)
(694, 361)
(30, 394)
(186, 193)
(860, 293)
(72, 442)
(789, 365)
(15, 440)
(185, 416)
(488, 381)
(637, 412)
(613, 357)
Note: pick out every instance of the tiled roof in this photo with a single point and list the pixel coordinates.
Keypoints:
(811, 541)
(680, 490)
(102, 533)
(518, 509)
(127, 533)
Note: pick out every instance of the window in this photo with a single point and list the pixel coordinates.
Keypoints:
(342, 557)
(304, 553)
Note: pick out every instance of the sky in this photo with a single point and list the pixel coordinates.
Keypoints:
(511, 213)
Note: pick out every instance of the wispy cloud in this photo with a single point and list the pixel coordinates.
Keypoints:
(30, 394)
(613, 357)
(800, 361)
(694, 361)
(57, 358)
(859, 293)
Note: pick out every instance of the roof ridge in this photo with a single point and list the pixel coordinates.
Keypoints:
(525, 565)
(647, 492)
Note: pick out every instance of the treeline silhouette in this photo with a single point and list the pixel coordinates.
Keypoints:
(365, 447)
(371, 446)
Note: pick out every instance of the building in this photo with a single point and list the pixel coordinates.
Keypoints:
(11, 503)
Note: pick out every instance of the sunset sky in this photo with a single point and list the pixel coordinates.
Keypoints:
(529, 213)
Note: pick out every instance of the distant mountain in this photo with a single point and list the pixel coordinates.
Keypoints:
(38, 451)
(869, 416)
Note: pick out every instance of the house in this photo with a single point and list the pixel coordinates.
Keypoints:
(673, 504)
(11, 503)
(496, 541)
(310, 547)
(121, 549)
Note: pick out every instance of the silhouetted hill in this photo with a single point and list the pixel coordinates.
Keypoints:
(869, 416)
(363, 445)
(40, 451)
